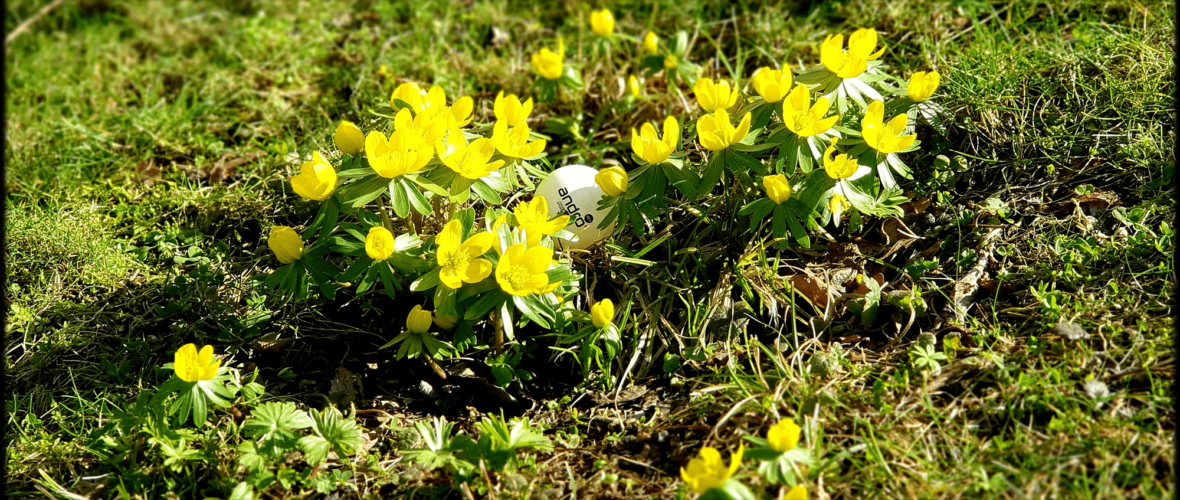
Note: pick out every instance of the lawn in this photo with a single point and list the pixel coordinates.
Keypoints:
(998, 326)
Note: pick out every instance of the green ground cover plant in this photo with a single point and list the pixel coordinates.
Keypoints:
(866, 249)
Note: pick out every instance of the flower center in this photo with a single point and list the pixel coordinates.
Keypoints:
(519, 277)
(457, 260)
(803, 120)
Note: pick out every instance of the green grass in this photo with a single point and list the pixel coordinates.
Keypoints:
(107, 275)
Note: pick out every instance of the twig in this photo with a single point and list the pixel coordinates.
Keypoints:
(29, 22)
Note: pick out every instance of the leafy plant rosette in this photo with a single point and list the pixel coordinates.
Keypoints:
(780, 458)
(198, 381)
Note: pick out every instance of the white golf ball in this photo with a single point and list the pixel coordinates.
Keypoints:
(571, 190)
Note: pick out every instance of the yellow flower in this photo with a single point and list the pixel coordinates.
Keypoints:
(510, 110)
(514, 141)
(471, 160)
(922, 85)
(806, 121)
(533, 217)
(460, 111)
(613, 181)
(460, 259)
(349, 138)
(772, 84)
(445, 322)
(427, 128)
(838, 205)
(602, 313)
(651, 42)
(778, 189)
(548, 64)
(784, 436)
(522, 272)
(713, 96)
(411, 94)
(717, 133)
(418, 321)
(379, 243)
(403, 153)
(797, 493)
(602, 22)
(708, 471)
(885, 138)
(383, 71)
(853, 62)
(285, 243)
(633, 86)
(650, 147)
(839, 167)
(192, 366)
(316, 179)
(670, 62)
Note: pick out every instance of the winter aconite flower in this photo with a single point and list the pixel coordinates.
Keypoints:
(521, 271)
(349, 138)
(602, 313)
(549, 64)
(838, 204)
(427, 128)
(651, 43)
(802, 117)
(784, 436)
(472, 161)
(193, 366)
(402, 153)
(513, 141)
(510, 110)
(379, 243)
(772, 84)
(778, 189)
(633, 88)
(533, 217)
(433, 104)
(602, 22)
(885, 138)
(717, 133)
(316, 179)
(854, 61)
(285, 243)
(922, 85)
(841, 166)
(670, 62)
(650, 147)
(708, 471)
(613, 181)
(797, 493)
(444, 321)
(713, 96)
(418, 321)
(460, 259)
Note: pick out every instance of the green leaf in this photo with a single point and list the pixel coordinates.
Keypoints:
(683, 180)
(427, 281)
(273, 424)
(331, 431)
(398, 198)
(713, 172)
(387, 278)
(363, 191)
(485, 304)
(417, 200)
